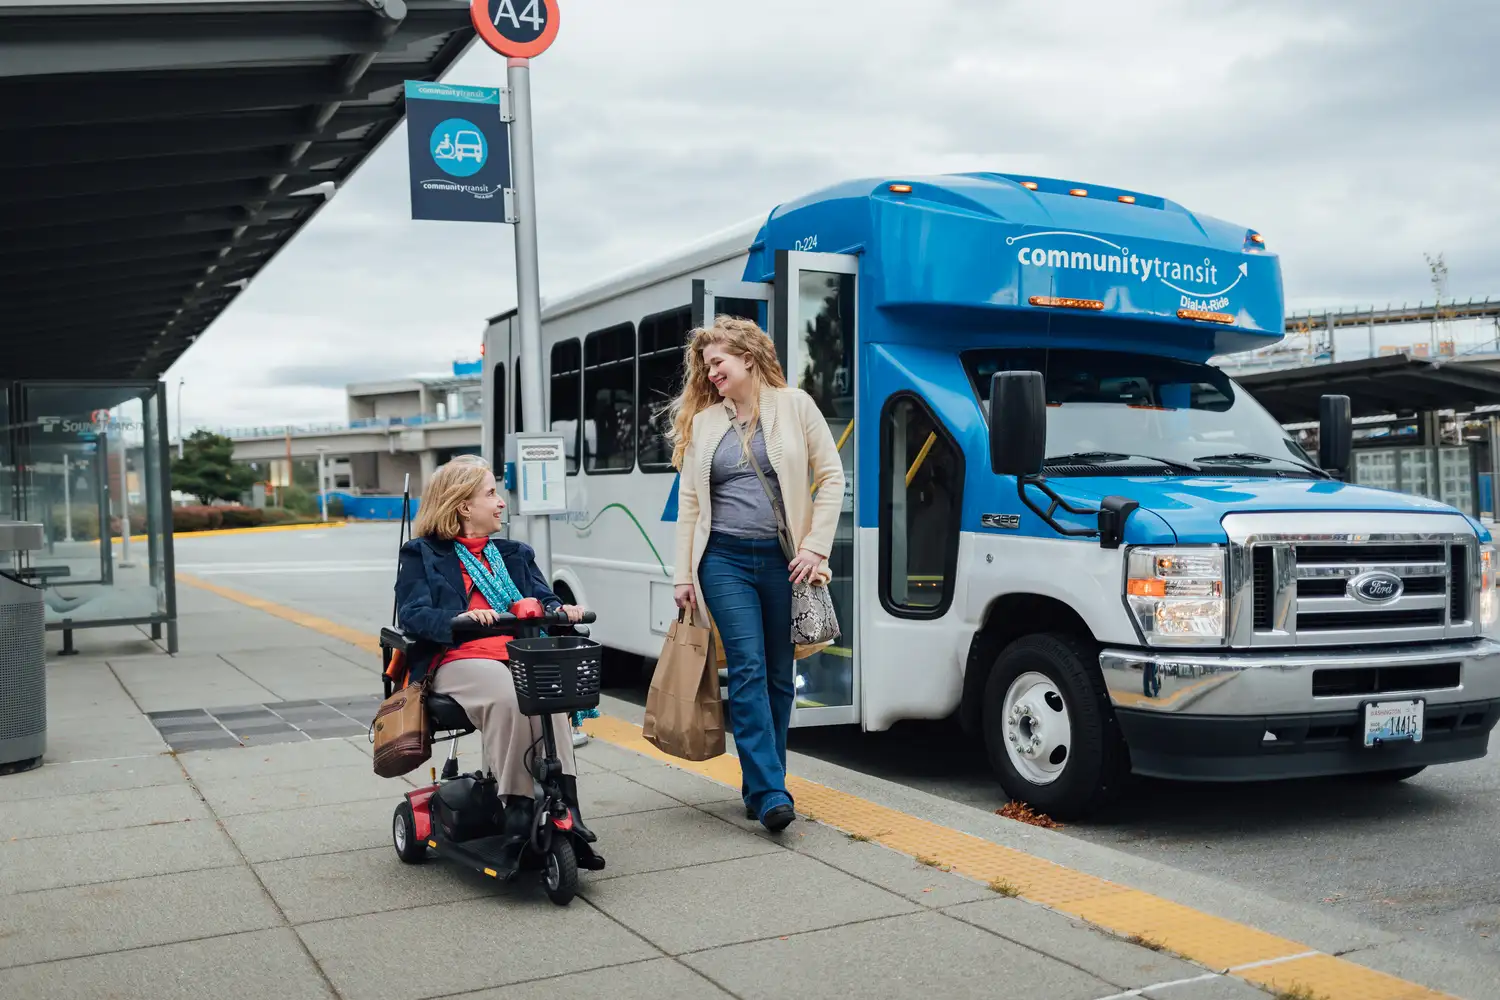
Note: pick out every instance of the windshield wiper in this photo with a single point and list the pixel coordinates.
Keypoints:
(1255, 458)
(1100, 457)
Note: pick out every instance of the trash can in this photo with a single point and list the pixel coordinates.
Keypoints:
(23, 656)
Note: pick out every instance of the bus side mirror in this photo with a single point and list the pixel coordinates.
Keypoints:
(1018, 423)
(1335, 435)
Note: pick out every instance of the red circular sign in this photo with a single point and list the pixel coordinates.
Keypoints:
(519, 29)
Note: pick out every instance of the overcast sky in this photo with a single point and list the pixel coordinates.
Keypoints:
(1355, 134)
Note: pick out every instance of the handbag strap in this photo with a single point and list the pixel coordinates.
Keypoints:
(783, 533)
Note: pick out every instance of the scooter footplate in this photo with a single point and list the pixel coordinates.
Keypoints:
(497, 857)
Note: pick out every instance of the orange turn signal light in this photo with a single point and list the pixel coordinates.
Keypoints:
(1257, 238)
(900, 189)
(1029, 185)
(1204, 316)
(1146, 588)
(1053, 302)
(1128, 199)
(1079, 192)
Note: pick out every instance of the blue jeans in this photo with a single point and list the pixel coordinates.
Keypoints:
(747, 591)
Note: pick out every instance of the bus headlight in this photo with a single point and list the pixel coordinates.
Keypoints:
(1488, 603)
(1177, 594)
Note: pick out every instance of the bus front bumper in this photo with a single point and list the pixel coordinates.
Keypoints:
(1301, 713)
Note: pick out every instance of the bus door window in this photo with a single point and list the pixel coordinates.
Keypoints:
(824, 369)
(663, 337)
(752, 309)
(566, 392)
(921, 480)
(609, 399)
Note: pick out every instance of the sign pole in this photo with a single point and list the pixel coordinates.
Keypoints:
(528, 283)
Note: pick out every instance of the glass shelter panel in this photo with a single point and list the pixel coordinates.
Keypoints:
(94, 478)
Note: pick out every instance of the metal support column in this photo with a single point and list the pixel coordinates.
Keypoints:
(528, 284)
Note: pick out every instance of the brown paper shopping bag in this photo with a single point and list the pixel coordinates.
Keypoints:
(684, 714)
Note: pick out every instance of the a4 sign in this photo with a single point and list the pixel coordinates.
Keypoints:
(518, 29)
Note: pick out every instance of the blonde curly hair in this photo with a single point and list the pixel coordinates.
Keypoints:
(736, 336)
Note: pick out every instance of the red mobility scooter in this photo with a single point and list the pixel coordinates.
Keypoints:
(556, 669)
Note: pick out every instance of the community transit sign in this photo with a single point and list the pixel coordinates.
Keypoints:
(459, 152)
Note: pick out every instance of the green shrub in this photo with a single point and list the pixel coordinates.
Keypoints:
(277, 515)
(299, 501)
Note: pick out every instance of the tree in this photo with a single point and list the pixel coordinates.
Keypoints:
(207, 469)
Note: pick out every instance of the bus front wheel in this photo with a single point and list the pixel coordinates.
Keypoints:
(1049, 731)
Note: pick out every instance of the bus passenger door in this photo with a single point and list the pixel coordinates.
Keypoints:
(813, 324)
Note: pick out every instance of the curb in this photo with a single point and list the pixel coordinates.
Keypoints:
(257, 529)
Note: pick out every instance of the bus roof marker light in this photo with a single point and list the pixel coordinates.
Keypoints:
(1029, 185)
(1053, 302)
(1079, 192)
(900, 188)
(1128, 199)
(1204, 316)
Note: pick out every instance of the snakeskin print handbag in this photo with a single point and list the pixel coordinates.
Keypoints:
(813, 619)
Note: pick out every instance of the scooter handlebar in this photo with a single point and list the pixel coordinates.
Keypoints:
(463, 623)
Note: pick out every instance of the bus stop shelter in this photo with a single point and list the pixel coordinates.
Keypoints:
(155, 156)
(1392, 394)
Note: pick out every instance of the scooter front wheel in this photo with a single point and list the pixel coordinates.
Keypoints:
(404, 836)
(561, 873)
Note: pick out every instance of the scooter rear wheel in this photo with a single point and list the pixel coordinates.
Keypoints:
(560, 874)
(404, 836)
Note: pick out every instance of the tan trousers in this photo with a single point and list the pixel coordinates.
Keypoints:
(488, 695)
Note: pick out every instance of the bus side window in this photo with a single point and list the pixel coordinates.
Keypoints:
(921, 487)
(565, 393)
(520, 424)
(609, 400)
(663, 338)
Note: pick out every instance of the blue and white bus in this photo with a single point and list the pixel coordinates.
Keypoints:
(1124, 564)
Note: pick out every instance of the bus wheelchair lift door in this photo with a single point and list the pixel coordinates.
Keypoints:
(813, 324)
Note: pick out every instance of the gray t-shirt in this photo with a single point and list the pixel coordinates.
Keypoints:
(739, 504)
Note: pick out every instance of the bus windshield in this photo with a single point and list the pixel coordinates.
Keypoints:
(1106, 407)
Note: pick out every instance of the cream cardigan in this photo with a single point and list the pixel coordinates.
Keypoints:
(803, 454)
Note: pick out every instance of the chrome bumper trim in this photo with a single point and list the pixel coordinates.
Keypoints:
(1280, 683)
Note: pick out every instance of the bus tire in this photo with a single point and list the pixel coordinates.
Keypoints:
(1049, 730)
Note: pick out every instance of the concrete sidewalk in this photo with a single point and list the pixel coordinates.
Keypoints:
(254, 860)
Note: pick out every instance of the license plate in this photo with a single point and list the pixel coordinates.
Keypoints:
(1393, 722)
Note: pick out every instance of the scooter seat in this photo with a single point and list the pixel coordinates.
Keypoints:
(446, 714)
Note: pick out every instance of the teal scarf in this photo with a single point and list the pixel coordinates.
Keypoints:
(493, 581)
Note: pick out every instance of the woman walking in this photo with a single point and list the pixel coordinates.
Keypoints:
(751, 451)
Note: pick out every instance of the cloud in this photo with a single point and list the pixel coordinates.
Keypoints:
(1355, 134)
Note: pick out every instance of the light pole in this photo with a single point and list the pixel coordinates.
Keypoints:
(322, 482)
(179, 417)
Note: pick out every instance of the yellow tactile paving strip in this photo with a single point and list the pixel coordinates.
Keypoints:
(1221, 945)
(1268, 961)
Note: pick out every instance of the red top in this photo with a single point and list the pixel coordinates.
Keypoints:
(490, 647)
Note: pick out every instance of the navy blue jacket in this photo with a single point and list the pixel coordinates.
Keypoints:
(430, 593)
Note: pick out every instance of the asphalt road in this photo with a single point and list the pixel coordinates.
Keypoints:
(1421, 858)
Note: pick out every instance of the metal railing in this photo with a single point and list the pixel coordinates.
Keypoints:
(362, 424)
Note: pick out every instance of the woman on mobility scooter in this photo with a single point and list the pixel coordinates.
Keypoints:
(452, 577)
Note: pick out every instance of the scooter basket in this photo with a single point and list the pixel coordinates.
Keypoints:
(555, 674)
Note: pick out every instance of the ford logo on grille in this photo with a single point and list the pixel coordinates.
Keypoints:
(1377, 587)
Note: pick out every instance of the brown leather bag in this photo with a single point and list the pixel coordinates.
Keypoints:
(403, 741)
